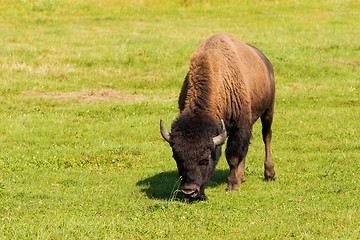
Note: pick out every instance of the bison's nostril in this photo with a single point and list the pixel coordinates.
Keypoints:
(188, 191)
(192, 191)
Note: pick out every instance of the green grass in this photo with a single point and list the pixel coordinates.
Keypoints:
(84, 84)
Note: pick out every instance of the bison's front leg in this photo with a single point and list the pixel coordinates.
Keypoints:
(236, 150)
(236, 176)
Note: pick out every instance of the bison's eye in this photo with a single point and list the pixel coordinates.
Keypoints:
(204, 162)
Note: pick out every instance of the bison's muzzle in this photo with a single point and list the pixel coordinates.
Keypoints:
(190, 190)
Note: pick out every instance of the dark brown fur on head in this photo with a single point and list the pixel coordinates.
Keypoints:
(194, 130)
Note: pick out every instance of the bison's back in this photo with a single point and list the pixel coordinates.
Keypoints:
(229, 79)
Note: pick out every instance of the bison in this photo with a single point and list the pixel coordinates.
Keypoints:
(229, 85)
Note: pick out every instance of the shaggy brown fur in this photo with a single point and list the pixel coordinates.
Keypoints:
(228, 80)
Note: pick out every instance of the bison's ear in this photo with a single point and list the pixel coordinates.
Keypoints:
(220, 139)
(165, 133)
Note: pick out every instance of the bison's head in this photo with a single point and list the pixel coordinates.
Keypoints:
(196, 143)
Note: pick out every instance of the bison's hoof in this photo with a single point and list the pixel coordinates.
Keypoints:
(232, 188)
(270, 178)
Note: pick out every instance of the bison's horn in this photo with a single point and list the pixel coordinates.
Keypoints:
(166, 135)
(220, 139)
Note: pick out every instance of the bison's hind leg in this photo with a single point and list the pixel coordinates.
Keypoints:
(266, 120)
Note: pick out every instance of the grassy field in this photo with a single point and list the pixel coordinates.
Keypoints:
(84, 84)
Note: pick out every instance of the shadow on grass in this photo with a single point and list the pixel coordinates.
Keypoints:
(164, 185)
